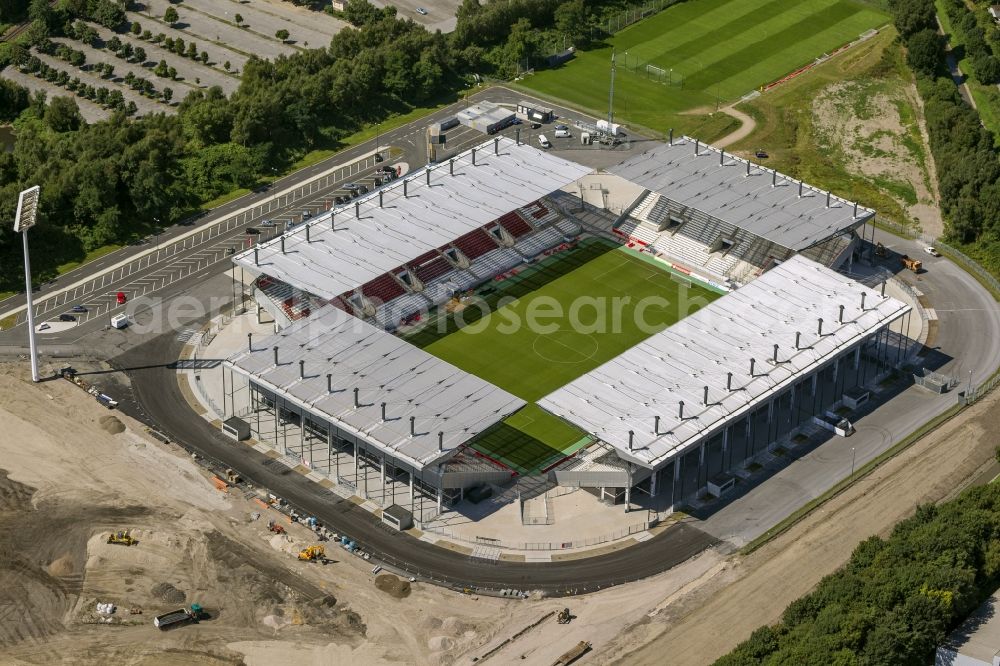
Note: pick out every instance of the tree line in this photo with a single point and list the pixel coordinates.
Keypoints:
(967, 160)
(896, 599)
(115, 180)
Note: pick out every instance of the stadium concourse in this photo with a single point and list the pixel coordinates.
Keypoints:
(364, 296)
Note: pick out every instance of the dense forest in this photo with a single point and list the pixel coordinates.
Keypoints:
(968, 164)
(111, 181)
(896, 599)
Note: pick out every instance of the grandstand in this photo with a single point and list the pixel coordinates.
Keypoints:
(709, 392)
(727, 219)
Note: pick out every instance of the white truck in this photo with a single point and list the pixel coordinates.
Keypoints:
(120, 320)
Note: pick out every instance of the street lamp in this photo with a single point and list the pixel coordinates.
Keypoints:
(377, 152)
(27, 212)
(156, 237)
(852, 461)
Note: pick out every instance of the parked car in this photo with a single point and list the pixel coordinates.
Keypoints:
(350, 187)
(306, 215)
(267, 223)
(931, 250)
(535, 125)
(67, 317)
(78, 308)
(761, 154)
(562, 132)
(378, 157)
(421, 11)
(43, 327)
(362, 189)
(120, 298)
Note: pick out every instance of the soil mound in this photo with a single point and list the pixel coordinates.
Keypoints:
(112, 425)
(392, 585)
(62, 566)
(168, 593)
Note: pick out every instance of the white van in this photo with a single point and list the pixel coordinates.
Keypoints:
(543, 142)
(120, 320)
(562, 132)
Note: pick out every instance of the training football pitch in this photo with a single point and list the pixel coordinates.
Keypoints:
(707, 51)
(555, 323)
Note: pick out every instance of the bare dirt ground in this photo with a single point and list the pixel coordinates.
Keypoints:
(728, 604)
(864, 120)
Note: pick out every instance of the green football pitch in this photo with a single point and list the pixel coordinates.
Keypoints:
(708, 51)
(555, 323)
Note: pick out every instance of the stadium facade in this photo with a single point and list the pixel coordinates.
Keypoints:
(336, 390)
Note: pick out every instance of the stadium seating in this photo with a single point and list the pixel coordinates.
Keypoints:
(383, 289)
(389, 315)
(431, 269)
(515, 224)
(568, 228)
(496, 262)
(537, 243)
(294, 303)
(631, 228)
(443, 288)
(538, 214)
(475, 244)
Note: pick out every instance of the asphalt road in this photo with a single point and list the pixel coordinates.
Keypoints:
(157, 401)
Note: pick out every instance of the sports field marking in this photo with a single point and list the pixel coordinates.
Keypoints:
(663, 280)
(597, 278)
(550, 337)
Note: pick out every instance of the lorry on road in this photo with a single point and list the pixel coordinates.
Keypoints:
(120, 320)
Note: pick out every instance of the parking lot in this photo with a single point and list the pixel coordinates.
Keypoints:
(90, 111)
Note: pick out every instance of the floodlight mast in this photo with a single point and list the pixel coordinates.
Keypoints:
(27, 211)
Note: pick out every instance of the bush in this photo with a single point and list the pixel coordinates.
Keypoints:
(282, 34)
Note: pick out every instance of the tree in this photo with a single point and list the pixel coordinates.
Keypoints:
(239, 19)
(179, 46)
(126, 51)
(192, 51)
(171, 73)
(171, 16)
(139, 54)
(168, 43)
(204, 57)
(146, 35)
(571, 20)
(131, 109)
(360, 12)
(282, 34)
(114, 44)
(109, 70)
(159, 38)
(923, 51)
(108, 13)
(227, 66)
(63, 115)
(161, 68)
(77, 58)
(136, 28)
(167, 94)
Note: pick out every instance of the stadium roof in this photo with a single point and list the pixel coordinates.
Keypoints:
(652, 378)
(333, 262)
(765, 203)
(368, 367)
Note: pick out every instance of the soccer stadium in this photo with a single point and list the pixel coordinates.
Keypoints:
(480, 325)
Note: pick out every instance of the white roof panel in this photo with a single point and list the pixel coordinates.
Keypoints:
(345, 251)
(382, 369)
(651, 379)
(765, 203)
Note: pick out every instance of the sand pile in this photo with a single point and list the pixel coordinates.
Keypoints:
(112, 425)
(392, 585)
(440, 643)
(62, 566)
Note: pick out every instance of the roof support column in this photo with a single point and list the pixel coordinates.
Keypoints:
(628, 492)
(725, 446)
(381, 471)
(701, 467)
(677, 479)
(411, 490)
(440, 499)
(857, 357)
(652, 483)
(356, 464)
(302, 441)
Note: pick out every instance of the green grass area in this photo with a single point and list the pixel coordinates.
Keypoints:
(90, 256)
(802, 146)
(713, 51)
(576, 311)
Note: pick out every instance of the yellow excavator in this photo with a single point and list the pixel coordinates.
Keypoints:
(313, 554)
(122, 538)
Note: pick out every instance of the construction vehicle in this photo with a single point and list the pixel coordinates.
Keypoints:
(274, 527)
(178, 617)
(572, 655)
(122, 538)
(564, 617)
(913, 264)
(313, 554)
(880, 250)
